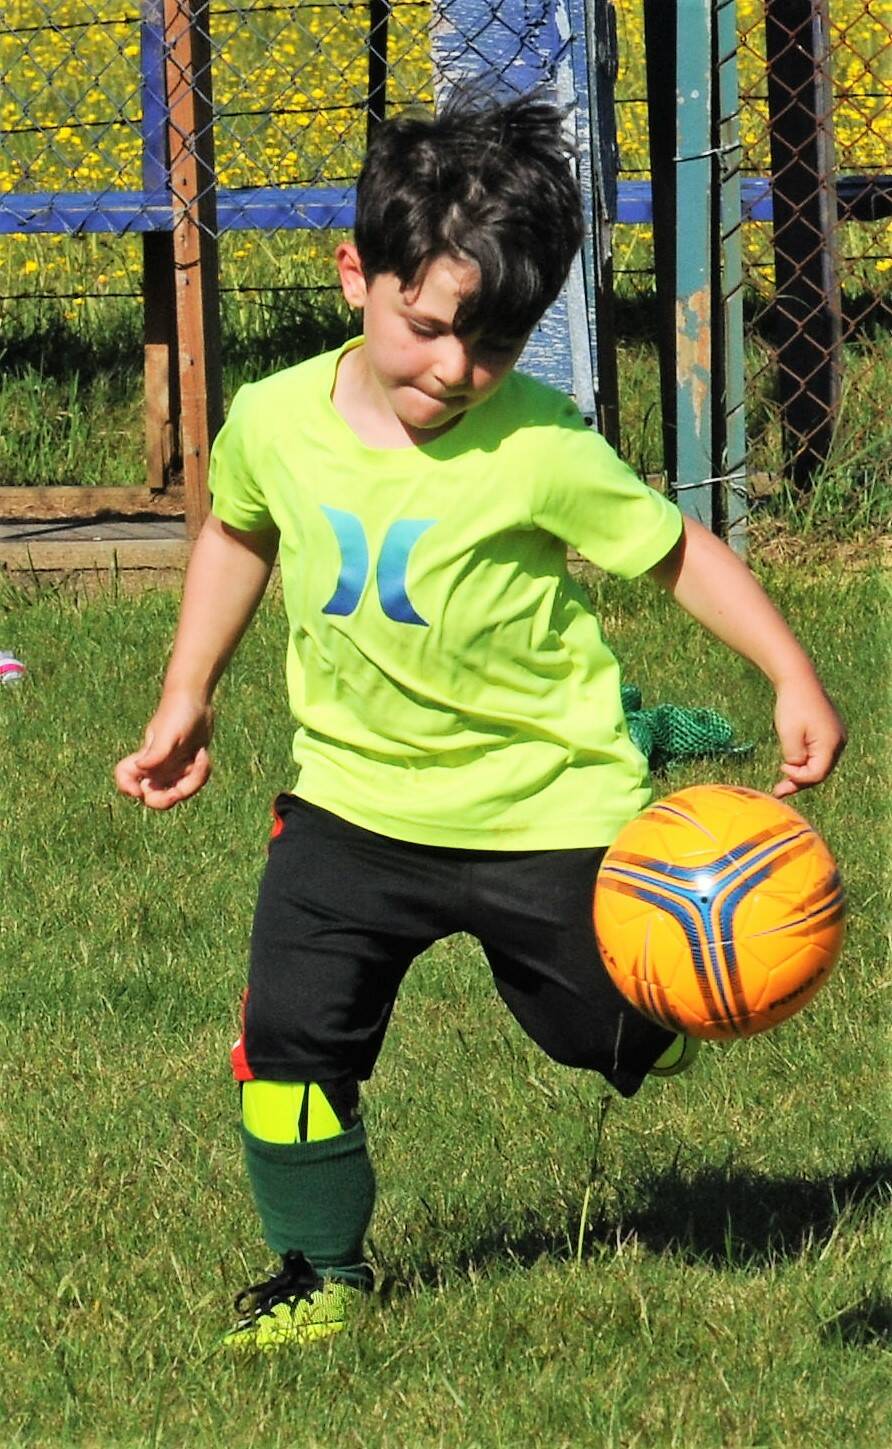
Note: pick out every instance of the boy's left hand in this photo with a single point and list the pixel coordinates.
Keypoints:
(812, 736)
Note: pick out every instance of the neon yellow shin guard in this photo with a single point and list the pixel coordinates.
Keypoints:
(288, 1112)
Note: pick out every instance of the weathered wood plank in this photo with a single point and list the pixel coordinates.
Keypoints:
(81, 503)
(59, 557)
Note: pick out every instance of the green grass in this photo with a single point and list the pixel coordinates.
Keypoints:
(700, 1266)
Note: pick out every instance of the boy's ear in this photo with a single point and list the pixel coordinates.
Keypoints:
(353, 283)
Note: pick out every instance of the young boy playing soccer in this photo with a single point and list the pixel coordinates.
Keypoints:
(463, 757)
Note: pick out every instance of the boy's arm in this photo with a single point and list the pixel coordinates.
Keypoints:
(225, 581)
(718, 590)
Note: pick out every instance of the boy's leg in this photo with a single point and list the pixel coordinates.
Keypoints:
(535, 925)
(338, 921)
(313, 1184)
(310, 1172)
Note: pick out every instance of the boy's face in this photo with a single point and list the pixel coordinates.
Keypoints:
(418, 368)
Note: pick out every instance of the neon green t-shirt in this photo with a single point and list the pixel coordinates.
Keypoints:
(448, 677)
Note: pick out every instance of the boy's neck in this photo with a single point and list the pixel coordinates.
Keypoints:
(360, 401)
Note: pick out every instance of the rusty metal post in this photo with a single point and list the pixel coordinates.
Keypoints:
(190, 140)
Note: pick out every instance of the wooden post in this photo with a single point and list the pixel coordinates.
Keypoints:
(161, 380)
(190, 139)
(160, 371)
(807, 293)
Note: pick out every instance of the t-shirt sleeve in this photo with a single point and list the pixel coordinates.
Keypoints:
(237, 495)
(598, 505)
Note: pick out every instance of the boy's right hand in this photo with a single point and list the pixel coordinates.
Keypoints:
(173, 763)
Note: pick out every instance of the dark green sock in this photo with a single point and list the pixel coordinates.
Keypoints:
(315, 1198)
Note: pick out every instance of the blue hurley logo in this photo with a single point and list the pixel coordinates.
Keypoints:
(390, 573)
(351, 539)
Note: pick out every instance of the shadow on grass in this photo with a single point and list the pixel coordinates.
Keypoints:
(866, 1324)
(54, 349)
(734, 1218)
(278, 328)
(725, 1218)
(288, 330)
(281, 332)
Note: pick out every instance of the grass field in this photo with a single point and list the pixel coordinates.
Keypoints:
(705, 1265)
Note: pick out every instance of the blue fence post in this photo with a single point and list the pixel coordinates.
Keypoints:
(694, 259)
(160, 372)
(153, 95)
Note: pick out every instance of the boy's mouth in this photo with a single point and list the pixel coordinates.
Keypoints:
(443, 400)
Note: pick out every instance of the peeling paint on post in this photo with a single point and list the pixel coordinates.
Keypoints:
(734, 501)
(693, 245)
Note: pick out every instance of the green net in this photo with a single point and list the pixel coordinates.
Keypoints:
(668, 733)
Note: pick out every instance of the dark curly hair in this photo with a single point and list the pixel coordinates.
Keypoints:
(487, 182)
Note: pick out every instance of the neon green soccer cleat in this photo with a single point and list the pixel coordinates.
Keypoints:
(678, 1056)
(294, 1306)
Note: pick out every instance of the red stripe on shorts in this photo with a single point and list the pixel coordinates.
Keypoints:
(237, 1058)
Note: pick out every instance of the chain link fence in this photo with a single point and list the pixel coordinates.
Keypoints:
(284, 100)
(815, 123)
(84, 141)
(115, 117)
(816, 93)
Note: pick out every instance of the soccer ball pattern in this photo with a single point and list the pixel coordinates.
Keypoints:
(719, 911)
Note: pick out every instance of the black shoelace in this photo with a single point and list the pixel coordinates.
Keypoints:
(297, 1279)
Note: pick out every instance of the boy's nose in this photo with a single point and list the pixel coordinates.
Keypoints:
(453, 366)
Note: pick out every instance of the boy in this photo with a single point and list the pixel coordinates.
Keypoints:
(463, 757)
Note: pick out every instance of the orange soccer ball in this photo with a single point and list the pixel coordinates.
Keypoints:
(719, 911)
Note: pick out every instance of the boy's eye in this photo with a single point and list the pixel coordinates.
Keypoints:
(494, 346)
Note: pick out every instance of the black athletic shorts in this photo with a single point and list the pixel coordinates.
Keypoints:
(342, 912)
